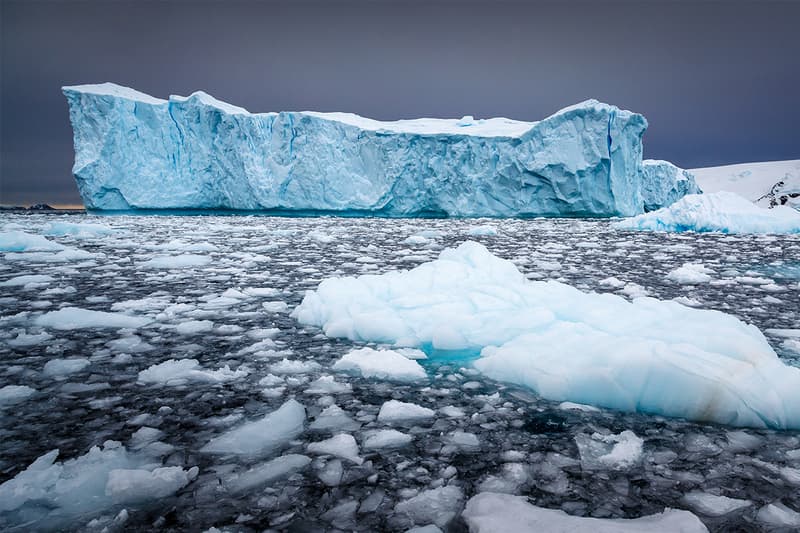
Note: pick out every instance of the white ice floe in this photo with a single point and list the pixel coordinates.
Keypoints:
(615, 452)
(64, 367)
(193, 327)
(341, 445)
(328, 385)
(50, 494)
(690, 273)
(489, 512)
(23, 339)
(170, 262)
(19, 241)
(435, 506)
(380, 364)
(334, 418)
(779, 515)
(568, 345)
(264, 436)
(69, 318)
(713, 505)
(271, 471)
(180, 371)
(723, 212)
(482, 231)
(386, 439)
(290, 366)
(81, 231)
(394, 410)
(28, 281)
(12, 394)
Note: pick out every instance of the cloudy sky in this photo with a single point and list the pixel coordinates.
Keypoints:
(718, 81)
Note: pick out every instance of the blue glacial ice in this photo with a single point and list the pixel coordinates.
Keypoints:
(644, 355)
(663, 184)
(133, 151)
(723, 212)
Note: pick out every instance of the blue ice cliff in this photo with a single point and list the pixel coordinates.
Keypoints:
(133, 151)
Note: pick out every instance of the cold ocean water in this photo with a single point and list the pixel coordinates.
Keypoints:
(219, 290)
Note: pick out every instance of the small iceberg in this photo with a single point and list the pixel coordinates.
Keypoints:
(723, 212)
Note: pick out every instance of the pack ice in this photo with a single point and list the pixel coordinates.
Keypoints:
(723, 212)
(133, 151)
(644, 355)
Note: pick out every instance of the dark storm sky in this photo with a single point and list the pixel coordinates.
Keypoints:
(718, 81)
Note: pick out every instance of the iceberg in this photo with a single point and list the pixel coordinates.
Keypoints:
(663, 184)
(565, 344)
(723, 212)
(137, 152)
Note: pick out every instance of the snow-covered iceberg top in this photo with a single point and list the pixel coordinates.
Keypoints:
(647, 355)
(723, 212)
(133, 151)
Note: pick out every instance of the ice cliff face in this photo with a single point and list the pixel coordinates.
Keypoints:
(663, 184)
(133, 151)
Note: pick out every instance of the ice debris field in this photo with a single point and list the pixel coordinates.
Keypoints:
(261, 373)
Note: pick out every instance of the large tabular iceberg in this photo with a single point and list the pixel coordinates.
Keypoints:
(646, 355)
(133, 151)
(723, 212)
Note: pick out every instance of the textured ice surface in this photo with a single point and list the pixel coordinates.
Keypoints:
(566, 344)
(499, 513)
(663, 184)
(263, 436)
(724, 212)
(526, 444)
(137, 152)
(380, 364)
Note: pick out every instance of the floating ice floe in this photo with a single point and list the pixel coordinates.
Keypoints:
(723, 212)
(170, 262)
(19, 241)
(568, 345)
(394, 410)
(490, 512)
(261, 437)
(68, 318)
(12, 394)
(50, 494)
(180, 371)
(380, 364)
(80, 231)
(386, 439)
(601, 452)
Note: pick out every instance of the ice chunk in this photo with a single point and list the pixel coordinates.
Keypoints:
(179, 371)
(712, 504)
(690, 273)
(435, 506)
(334, 417)
(394, 410)
(723, 212)
(131, 486)
(51, 495)
(193, 327)
(594, 349)
(170, 262)
(76, 318)
(288, 366)
(328, 385)
(63, 367)
(386, 438)
(341, 445)
(500, 513)
(778, 515)
(268, 472)
(264, 436)
(29, 339)
(618, 452)
(12, 394)
(83, 230)
(583, 160)
(19, 241)
(380, 364)
(32, 280)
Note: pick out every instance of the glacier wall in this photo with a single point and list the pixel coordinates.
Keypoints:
(664, 184)
(133, 151)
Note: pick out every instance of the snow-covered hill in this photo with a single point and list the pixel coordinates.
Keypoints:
(768, 184)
